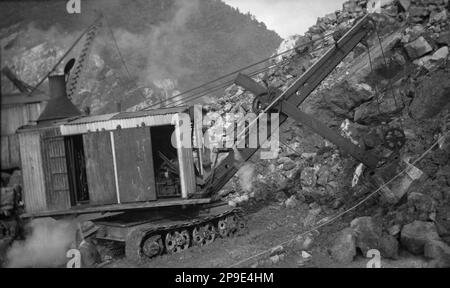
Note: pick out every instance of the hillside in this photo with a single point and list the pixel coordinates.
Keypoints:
(166, 45)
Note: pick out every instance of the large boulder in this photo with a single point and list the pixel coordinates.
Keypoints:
(345, 97)
(425, 62)
(431, 61)
(344, 249)
(373, 111)
(435, 249)
(415, 235)
(369, 235)
(444, 38)
(418, 48)
(421, 204)
(432, 95)
(389, 246)
(367, 232)
(440, 16)
(439, 252)
(440, 54)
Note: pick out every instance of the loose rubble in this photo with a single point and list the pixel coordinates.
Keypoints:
(344, 248)
(407, 89)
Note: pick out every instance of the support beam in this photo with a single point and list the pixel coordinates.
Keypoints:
(113, 208)
(303, 86)
(323, 130)
(116, 175)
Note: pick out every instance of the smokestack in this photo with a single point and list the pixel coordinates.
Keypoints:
(59, 106)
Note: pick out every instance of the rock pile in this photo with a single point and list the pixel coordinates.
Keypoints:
(405, 86)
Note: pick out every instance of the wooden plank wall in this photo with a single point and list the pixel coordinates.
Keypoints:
(133, 150)
(5, 158)
(10, 152)
(13, 117)
(55, 169)
(100, 168)
(33, 176)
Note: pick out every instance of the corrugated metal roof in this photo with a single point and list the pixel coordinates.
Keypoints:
(126, 115)
(91, 119)
(174, 110)
(108, 117)
(44, 125)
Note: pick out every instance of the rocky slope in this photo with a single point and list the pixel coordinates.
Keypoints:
(406, 86)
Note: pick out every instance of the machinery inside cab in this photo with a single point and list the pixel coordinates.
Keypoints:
(75, 162)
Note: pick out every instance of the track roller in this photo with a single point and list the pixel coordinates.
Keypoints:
(222, 227)
(153, 246)
(227, 226)
(177, 241)
(241, 225)
(204, 234)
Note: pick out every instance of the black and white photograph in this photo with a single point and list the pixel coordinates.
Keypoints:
(242, 138)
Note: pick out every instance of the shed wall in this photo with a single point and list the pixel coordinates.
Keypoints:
(33, 174)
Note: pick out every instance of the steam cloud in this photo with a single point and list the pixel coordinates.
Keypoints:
(46, 246)
(160, 50)
(246, 173)
(246, 177)
(153, 55)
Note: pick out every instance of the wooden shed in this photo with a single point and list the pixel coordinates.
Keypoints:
(105, 160)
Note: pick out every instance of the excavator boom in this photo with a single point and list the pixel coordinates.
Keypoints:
(287, 103)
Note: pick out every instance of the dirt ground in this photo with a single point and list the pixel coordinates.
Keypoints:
(270, 224)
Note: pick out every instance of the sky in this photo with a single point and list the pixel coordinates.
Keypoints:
(287, 17)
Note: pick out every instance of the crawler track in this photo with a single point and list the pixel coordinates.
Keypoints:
(176, 233)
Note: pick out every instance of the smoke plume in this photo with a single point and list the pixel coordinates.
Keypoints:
(157, 54)
(45, 246)
(246, 177)
(152, 52)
